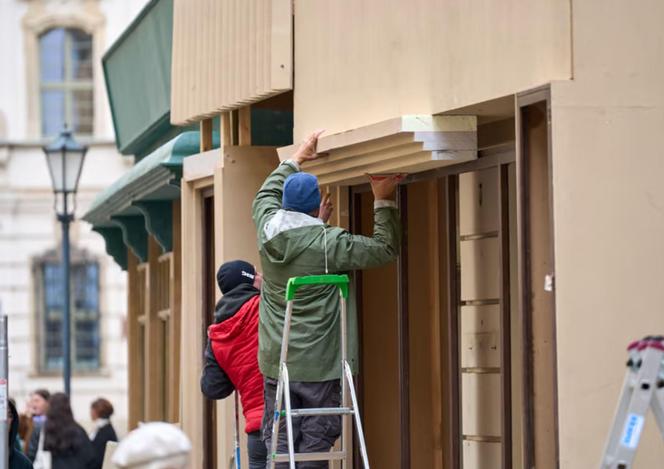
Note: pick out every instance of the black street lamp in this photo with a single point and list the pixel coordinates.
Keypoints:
(65, 160)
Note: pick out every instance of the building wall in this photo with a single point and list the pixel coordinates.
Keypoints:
(387, 59)
(609, 217)
(27, 221)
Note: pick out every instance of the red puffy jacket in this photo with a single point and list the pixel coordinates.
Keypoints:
(235, 346)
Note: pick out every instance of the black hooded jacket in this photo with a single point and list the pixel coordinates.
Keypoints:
(215, 383)
(17, 460)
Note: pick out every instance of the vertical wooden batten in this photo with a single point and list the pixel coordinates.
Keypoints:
(453, 290)
(505, 314)
(134, 310)
(403, 330)
(176, 316)
(154, 339)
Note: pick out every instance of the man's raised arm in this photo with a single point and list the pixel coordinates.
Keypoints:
(268, 198)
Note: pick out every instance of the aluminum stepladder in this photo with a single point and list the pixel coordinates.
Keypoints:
(349, 405)
(643, 389)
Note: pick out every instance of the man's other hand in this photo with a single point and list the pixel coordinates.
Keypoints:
(307, 149)
(326, 208)
(383, 187)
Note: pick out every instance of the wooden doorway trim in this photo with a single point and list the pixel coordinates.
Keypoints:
(197, 183)
(539, 391)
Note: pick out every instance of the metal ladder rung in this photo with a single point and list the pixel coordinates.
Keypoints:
(329, 456)
(319, 411)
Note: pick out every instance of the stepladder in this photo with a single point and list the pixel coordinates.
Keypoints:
(643, 390)
(349, 405)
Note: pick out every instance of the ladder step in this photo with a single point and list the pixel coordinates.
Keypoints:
(329, 456)
(319, 411)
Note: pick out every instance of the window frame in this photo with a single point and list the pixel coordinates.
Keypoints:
(37, 20)
(67, 85)
(79, 258)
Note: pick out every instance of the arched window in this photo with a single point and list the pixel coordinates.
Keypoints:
(65, 81)
(85, 345)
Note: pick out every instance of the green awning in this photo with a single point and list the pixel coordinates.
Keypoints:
(137, 72)
(140, 202)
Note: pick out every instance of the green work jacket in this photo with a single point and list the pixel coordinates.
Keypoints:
(293, 244)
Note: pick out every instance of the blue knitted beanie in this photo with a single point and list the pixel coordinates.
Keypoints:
(301, 193)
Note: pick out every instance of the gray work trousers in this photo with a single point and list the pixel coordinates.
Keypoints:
(257, 451)
(311, 434)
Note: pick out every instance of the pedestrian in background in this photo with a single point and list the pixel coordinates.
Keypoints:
(36, 409)
(17, 460)
(101, 411)
(63, 440)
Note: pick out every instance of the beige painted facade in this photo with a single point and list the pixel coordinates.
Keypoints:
(387, 58)
(608, 203)
(599, 67)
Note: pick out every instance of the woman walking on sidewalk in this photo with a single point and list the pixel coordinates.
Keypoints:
(65, 439)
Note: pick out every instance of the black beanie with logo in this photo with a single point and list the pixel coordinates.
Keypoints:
(233, 273)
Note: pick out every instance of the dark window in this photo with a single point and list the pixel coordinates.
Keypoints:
(84, 316)
(65, 77)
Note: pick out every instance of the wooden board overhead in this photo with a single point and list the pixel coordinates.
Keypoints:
(408, 144)
(227, 54)
(362, 62)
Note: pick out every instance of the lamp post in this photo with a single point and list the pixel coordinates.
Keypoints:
(65, 160)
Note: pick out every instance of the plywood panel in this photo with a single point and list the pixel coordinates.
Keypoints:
(382, 58)
(478, 202)
(227, 54)
(480, 336)
(481, 455)
(481, 404)
(608, 199)
(423, 312)
(238, 176)
(380, 381)
(479, 269)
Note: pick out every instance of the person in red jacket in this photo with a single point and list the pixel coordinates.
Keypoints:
(231, 355)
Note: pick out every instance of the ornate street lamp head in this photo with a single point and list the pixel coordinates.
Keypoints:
(65, 157)
(65, 160)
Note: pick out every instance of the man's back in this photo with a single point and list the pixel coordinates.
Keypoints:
(293, 244)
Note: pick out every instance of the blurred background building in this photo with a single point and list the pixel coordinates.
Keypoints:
(50, 52)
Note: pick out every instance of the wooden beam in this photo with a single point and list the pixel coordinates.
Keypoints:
(453, 290)
(505, 314)
(244, 126)
(135, 375)
(173, 405)
(154, 339)
(403, 330)
(192, 407)
(206, 135)
(225, 130)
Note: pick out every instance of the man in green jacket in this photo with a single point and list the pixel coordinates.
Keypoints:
(294, 240)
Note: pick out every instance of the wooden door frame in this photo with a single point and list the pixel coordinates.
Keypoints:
(197, 183)
(522, 101)
(498, 156)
